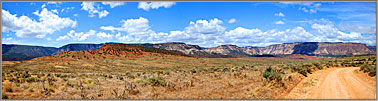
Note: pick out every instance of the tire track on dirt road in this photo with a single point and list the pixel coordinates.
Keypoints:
(335, 83)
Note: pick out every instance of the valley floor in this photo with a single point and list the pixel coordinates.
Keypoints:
(172, 77)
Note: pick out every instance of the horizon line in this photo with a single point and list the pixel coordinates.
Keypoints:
(170, 42)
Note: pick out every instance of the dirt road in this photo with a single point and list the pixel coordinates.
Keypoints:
(335, 83)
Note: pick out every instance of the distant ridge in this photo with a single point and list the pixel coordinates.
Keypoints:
(111, 51)
(25, 52)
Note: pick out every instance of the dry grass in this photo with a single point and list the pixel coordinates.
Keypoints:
(151, 78)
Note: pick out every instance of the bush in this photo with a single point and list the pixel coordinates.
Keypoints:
(4, 96)
(25, 87)
(318, 65)
(8, 88)
(300, 69)
(273, 74)
(156, 81)
(30, 79)
(71, 84)
(193, 71)
(58, 75)
(370, 69)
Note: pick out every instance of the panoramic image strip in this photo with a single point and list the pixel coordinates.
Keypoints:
(188, 50)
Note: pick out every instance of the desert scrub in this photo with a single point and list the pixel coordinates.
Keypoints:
(4, 96)
(30, 79)
(318, 66)
(273, 74)
(154, 81)
(71, 84)
(372, 70)
(25, 87)
(8, 87)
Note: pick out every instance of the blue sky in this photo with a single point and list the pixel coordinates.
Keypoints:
(207, 24)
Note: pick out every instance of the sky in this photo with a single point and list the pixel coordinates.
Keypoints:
(208, 24)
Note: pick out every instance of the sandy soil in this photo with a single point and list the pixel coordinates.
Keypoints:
(335, 83)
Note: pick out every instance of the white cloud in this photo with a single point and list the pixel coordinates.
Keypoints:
(103, 13)
(75, 14)
(104, 35)
(7, 39)
(62, 38)
(233, 20)
(279, 14)
(205, 27)
(113, 4)
(279, 22)
(311, 7)
(77, 35)
(43, 6)
(54, 2)
(67, 9)
(357, 28)
(24, 26)
(131, 26)
(256, 37)
(154, 5)
(48, 39)
(92, 10)
(210, 33)
(326, 29)
(329, 33)
(55, 11)
(118, 35)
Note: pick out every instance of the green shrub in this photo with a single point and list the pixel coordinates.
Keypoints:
(273, 74)
(17, 84)
(71, 84)
(193, 71)
(156, 81)
(58, 75)
(300, 69)
(318, 65)
(25, 87)
(4, 96)
(11, 79)
(30, 79)
(372, 70)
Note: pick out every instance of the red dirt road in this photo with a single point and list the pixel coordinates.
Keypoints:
(335, 83)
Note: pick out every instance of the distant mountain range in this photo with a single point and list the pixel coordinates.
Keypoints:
(24, 52)
(111, 51)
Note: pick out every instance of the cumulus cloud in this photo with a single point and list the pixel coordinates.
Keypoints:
(328, 32)
(92, 10)
(77, 35)
(154, 5)
(326, 29)
(7, 39)
(279, 22)
(257, 37)
(113, 4)
(104, 35)
(205, 27)
(55, 11)
(130, 26)
(310, 7)
(137, 30)
(67, 9)
(210, 33)
(233, 20)
(279, 14)
(24, 26)
(358, 28)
